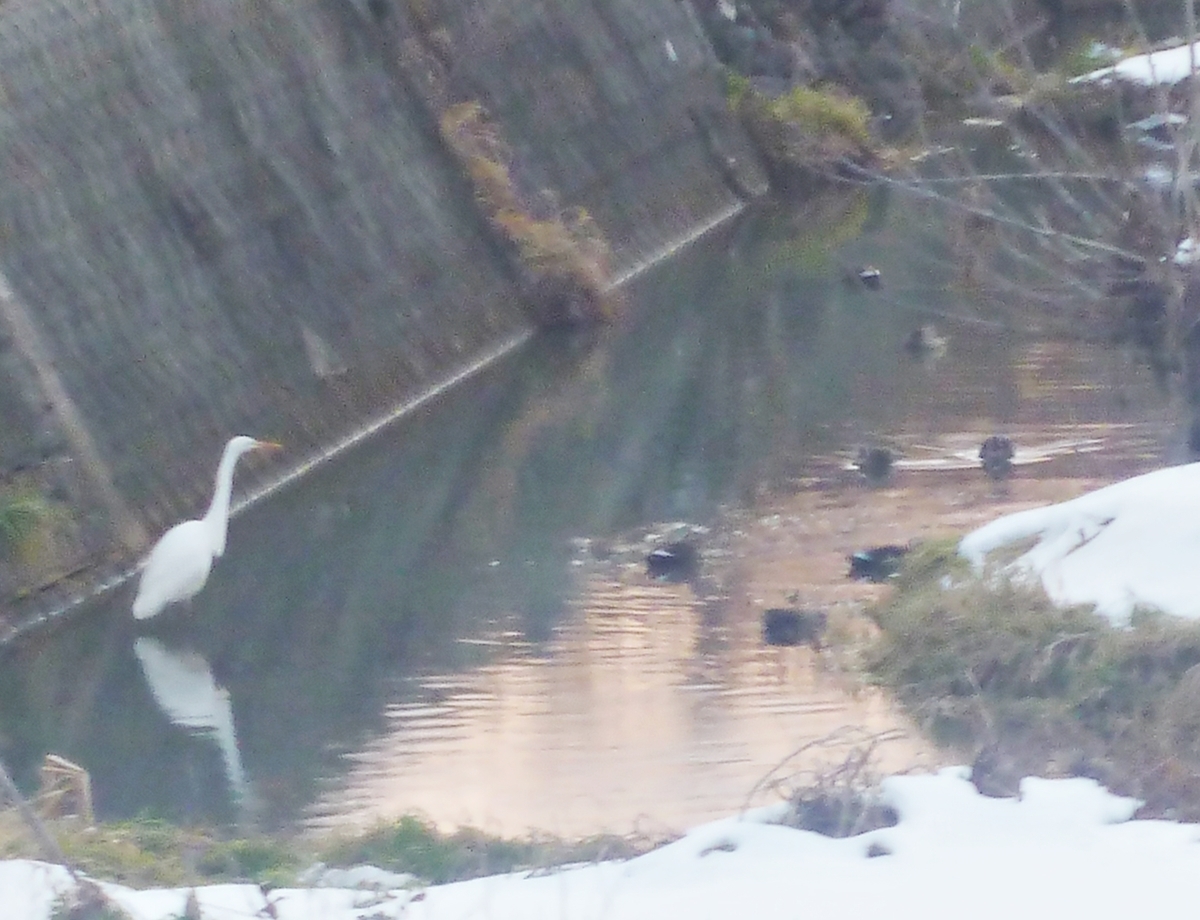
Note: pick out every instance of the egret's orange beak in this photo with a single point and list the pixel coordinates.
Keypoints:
(269, 446)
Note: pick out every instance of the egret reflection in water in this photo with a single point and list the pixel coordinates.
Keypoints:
(184, 688)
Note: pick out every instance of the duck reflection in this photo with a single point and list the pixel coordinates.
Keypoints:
(184, 688)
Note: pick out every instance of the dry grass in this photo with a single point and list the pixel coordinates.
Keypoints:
(563, 256)
(839, 800)
(148, 852)
(1024, 687)
(152, 852)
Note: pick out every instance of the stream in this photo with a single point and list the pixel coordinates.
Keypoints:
(454, 617)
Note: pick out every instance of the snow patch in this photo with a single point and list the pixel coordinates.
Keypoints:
(1063, 847)
(1135, 543)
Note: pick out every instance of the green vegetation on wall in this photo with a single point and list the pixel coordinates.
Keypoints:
(22, 513)
(807, 133)
(563, 254)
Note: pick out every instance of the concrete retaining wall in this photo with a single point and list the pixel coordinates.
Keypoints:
(237, 216)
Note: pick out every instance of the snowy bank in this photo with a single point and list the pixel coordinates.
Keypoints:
(1165, 68)
(1064, 848)
(1135, 543)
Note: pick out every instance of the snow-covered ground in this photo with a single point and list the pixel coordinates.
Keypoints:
(1135, 543)
(1064, 848)
(1166, 67)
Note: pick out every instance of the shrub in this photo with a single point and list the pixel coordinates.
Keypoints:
(824, 112)
(999, 671)
(807, 133)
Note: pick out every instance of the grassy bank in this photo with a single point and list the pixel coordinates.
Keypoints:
(1019, 687)
(149, 852)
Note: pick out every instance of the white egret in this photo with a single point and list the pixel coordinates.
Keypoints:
(178, 566)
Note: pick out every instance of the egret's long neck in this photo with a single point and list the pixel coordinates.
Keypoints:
(217, 516)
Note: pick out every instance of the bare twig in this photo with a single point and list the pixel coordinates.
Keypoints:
(864, 747)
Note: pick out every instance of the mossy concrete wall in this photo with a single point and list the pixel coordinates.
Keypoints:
(237, 216)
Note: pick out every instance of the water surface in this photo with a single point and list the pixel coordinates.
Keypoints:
(417, 625)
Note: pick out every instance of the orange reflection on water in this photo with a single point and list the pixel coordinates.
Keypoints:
(652, 710)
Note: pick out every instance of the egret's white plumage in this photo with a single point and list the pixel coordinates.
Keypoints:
(178, 566)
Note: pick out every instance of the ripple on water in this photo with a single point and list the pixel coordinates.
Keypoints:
(659, 699)
(649, 701)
